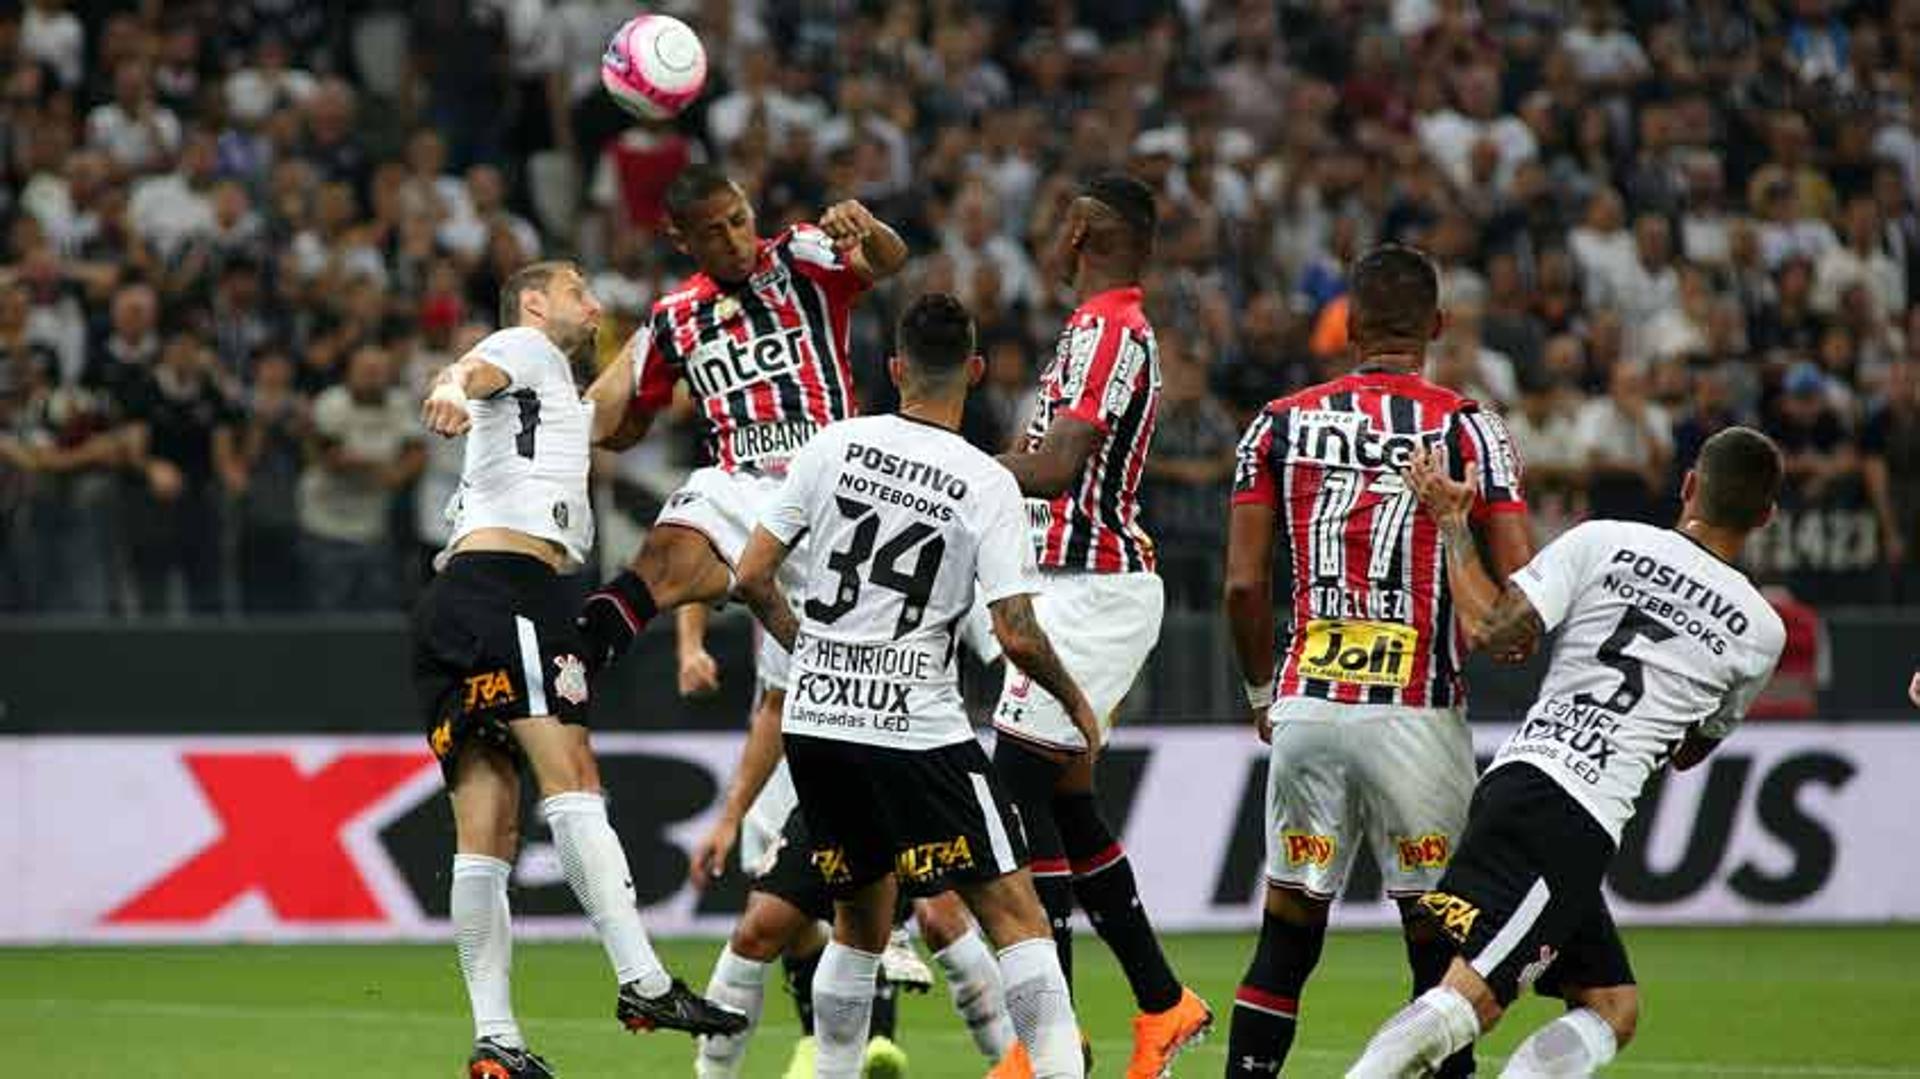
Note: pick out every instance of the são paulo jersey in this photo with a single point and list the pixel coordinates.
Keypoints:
(766, 359)
(1106, 371)
(906, 525)
(1371, 619)
(1658, 636)
(527, 450)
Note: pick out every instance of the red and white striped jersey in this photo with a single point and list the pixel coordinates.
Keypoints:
(767, 359)
(1106, 371)
(1372, 621)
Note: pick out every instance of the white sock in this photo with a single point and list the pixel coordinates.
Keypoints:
(1576, 1044)
(1439, 1023)
(596, 869)
(842, 1010)
(978, 995)
(1041, 1008)
(483, 935)
(738, 983)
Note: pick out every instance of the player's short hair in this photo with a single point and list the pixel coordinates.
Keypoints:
(1395, 294)
(1738, 473)
(1130, 201)
(935, 334)
(533, 277)
(695, 184)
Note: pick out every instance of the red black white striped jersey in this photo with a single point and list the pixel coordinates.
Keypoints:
(1372, 621)
(767, 359)
(1106, 371)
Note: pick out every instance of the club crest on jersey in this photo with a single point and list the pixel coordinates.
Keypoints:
(570, 678)
(1349, 440)
(560, 514)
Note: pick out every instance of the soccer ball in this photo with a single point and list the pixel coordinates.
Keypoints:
(654, 66)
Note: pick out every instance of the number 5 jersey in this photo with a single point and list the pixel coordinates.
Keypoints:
(905, 525)
(1371, 619)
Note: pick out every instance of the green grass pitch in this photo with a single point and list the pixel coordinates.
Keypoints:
(1718, 1002)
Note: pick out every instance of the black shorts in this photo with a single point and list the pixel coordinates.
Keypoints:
(932, 817)
(494, 641)
(792, 877)
(1521, 897)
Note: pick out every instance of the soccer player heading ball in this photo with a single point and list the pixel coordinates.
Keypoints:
(1663, 645)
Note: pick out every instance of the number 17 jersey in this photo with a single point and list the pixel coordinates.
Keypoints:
(906, 524)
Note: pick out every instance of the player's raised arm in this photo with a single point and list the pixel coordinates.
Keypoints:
(1062, 455)
(758, 566)
(466, 379)
(617, 423)
(1498, 619)
(870, 245)
(1027, 647)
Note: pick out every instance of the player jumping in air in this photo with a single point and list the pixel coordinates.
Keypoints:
(909, 526)
(1100, 600)
(498, 664)
(1663, 644)
(1367, 722)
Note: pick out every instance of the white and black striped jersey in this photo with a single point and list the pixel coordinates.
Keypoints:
(1658, 636)
(528, 449)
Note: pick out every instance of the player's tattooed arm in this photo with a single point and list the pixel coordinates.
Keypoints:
(1500, 619)
(761, 591)
(1063, 454)
(1027, 648)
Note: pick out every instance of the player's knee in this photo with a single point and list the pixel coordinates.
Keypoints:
(760, 937)
(943, 920)
(1295, 907)
(1619, 1005)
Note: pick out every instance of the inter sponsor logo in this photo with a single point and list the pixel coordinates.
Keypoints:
(486, 690)
(723, 365)
(925, 861)
(1349, 440)
(760, 441)
(1362, 653)
(1454, 914)
(1306, 848)
(1428, 851)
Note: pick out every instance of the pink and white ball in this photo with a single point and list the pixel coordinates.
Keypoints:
(654, 66)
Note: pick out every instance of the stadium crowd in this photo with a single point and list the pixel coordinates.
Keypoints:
(240, 235)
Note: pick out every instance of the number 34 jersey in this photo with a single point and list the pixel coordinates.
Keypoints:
(906, 526)
(1658, 636)
(1371, 619)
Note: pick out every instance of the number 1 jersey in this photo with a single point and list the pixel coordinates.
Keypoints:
(1658, 636)
(906, 525)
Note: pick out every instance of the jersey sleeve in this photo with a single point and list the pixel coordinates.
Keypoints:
(788, 514)
(1253, 480)
(1740, 697)
(654, 372)
(1004, 565)
(817, 259)
(516, 351)
(1484, 440)
(1106, 367)
(1556, 574)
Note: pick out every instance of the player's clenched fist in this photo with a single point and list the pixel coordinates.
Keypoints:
(848, 224)
(445, 411)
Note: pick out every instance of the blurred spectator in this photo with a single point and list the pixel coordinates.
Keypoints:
(184, 438)
(1185, 496)
(272, 442)
(1546, 435)
(1860, 260)
(1628, 441)
(134, 130)
(366, 446)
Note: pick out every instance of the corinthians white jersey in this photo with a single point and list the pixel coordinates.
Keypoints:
(1658, 635)
(528, 449)
(906, 524)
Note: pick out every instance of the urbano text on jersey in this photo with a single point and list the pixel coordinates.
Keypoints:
(1700, 599)
(1349, 440)
(762, 441)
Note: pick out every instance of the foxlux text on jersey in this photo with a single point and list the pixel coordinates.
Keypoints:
(1698, 593)
(1349, 440)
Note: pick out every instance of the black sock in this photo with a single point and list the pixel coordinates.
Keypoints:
(1268, 1000)
(1103, 883)
(612, 616)
(1428, 956)
(1029, 779)
(886, 1009)
(798, 972)
(1056, 895)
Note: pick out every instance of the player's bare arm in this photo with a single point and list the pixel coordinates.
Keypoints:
(872, 248)
(1063, 453)
(758, 758)
(1693, 749)
(466, 379)
(1027, 647)
(1508, 538)
(1249, 604)
(616, 426)
(1501, 620)
(761, 592)
(699, 674)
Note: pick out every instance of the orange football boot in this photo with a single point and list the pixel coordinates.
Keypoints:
(1159, 1037)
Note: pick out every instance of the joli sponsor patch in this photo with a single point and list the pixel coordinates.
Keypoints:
(1361, 653)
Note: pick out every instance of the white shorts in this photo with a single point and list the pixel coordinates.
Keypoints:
(1102, 626)
(1398, 778)
(726, 507)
